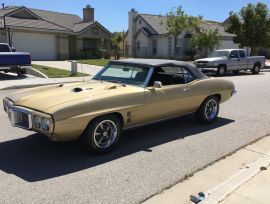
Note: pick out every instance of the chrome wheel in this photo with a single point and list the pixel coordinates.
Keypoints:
(257, 68)
(211, 109)
(105, 134)
(221, 71)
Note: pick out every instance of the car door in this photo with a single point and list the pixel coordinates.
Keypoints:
(243, 63)
(233, 63)
(173, 98)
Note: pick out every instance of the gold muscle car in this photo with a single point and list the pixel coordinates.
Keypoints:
(124, 94)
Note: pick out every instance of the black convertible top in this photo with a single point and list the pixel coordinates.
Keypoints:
(161, 62)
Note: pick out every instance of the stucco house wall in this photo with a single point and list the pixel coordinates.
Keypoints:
(49, 35)
(154, 27)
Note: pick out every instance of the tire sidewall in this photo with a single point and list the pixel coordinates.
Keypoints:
(254, 71)
(201, 115)
(88, 135)
(219, 69)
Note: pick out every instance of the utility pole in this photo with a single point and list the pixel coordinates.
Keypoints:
(124, 49)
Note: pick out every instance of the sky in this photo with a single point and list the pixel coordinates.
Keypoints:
(114, 14)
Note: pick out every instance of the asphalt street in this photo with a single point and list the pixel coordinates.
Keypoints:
(148, 159)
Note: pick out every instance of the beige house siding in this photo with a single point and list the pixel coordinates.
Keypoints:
(3, 38)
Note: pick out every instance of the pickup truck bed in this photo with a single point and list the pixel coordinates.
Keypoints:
(11, 61)
(14, 59)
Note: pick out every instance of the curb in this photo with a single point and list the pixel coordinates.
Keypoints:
(36, 85)
(28, 86)
(36, 73)
(220, 192)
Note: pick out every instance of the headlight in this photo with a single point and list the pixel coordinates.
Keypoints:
(36, 121)
(43, 122)
(7, 104)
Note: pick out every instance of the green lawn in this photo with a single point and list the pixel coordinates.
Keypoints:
(98, 62)
(55, 72)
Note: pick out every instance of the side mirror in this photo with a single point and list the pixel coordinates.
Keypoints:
(13, 49)
(157, 84)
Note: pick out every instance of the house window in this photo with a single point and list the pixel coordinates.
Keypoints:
(89, 44)
(188, 36)
(154, 47)
(95, 31)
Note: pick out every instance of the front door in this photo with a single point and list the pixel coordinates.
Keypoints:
(173, 98)
(233, 63)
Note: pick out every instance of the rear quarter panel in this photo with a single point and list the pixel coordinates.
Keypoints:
(201, 89)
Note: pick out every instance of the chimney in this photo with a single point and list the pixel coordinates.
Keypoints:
(88, 14)
(131, 32)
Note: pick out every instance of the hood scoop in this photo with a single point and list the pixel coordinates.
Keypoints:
(77, 90)
(109, 87)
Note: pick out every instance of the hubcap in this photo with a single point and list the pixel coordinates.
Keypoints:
(105, 134)
(221, 71)
(211, 109)
(257, 68)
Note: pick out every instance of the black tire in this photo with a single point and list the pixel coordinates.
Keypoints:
(21, 72)
(236, 72)
(89, 140)
(256, 69)
(201, 114)
(6, 71)
(221, 71)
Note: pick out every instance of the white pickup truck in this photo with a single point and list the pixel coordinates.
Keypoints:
(230, 60)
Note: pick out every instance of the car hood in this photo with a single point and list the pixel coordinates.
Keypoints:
(210, 59)
(43, 98)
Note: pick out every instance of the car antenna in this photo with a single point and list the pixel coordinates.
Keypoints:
(82, 72)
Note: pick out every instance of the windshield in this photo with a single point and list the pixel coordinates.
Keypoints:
(220, 53)
(124, 74)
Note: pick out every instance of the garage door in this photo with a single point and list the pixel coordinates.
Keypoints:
(41, 46)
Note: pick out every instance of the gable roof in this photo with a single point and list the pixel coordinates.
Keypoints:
(159, 24)
(48, 20)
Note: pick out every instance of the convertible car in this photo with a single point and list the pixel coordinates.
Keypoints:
(124, 94)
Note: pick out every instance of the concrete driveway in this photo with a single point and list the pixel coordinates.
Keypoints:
(148, 159)
(84, 68)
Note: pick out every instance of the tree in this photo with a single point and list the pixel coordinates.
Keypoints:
(178, 21)
(205, 40)
(251, 26)
(116, 40)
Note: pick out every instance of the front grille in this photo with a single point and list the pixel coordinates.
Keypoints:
(201, 65)
(20, 118)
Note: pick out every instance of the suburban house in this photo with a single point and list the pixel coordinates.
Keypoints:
(51, 35)
(148, 37)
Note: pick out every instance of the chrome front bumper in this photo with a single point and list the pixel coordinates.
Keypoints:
(19, 117)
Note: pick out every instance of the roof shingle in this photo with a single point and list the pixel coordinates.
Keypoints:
(49, 20)
(159, 24)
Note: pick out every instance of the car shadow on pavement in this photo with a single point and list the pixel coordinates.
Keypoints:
(35, 158)
(4, 76)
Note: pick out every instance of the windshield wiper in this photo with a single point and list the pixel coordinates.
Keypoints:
(117, 82)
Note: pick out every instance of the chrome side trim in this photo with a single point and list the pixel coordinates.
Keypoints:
(157, 121)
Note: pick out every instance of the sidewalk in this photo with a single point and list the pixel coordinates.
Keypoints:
(84, 68)
(241, 178)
